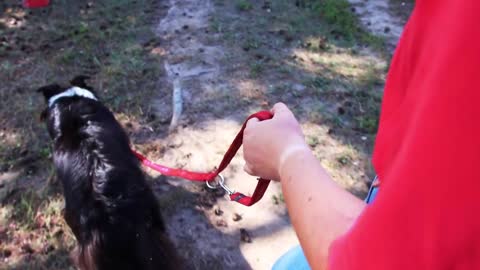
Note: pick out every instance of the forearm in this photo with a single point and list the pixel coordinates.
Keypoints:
(319, 209)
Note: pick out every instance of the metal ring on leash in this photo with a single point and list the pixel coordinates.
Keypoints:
(212, 184)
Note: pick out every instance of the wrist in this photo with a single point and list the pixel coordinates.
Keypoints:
(292, 153)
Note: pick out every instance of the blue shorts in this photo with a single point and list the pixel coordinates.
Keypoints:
(295, 259)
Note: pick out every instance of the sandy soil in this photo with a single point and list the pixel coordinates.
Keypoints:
(379, 17)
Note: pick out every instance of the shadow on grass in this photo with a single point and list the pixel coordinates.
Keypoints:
(57, 259)
(203, 245)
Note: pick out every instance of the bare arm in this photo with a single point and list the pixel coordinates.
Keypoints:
(319, 209)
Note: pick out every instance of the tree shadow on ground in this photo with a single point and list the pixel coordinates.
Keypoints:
(57, 259)
(202, 243)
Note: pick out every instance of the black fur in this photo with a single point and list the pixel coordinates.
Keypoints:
(108, 204)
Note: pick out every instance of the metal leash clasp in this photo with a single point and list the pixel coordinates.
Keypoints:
(212, 184)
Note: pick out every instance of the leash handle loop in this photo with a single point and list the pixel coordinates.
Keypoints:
(262, 184)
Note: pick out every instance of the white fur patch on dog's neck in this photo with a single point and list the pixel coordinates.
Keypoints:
(74, 91)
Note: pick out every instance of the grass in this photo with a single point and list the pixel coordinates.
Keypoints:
(312, 141)
(367, 123)
(356, 109)
(110, 40)
(243, 5)
(319, 82)
(251, 44)
(371, 77)
(344, 160)
(278, 199)
(57, 259)
(342, 22)
(26, 209)
(337, 13)
(256, 68)
(35, 226)
(216, 26)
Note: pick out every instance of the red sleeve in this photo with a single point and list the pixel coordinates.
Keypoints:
(427, 153)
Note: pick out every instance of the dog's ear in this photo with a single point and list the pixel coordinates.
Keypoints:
(80, 82)
(51, 90)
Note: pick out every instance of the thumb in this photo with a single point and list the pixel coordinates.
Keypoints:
(280, 109)
(248, 170)
(252, 121)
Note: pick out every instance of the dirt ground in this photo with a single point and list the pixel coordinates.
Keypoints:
(219, 61)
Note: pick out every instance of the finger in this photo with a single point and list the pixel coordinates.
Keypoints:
(280, 108)
(252, 121)
(247, 169)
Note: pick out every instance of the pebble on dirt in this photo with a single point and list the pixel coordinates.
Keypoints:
(27, 249)
(245, 236)
(236, 217)
(48, 248)
(5, 253)
(218, 211)
(222, 223)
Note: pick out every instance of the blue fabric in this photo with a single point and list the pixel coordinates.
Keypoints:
(372, 194)
(294, 259)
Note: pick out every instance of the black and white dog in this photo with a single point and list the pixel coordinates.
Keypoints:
(108, 204)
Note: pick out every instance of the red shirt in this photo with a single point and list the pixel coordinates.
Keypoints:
(427, 152)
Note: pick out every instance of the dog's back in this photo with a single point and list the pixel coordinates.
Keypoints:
(108, 203)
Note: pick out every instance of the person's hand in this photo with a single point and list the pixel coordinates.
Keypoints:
(268, 144)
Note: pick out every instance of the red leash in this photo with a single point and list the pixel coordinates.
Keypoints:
(35, 3)
(207, 177)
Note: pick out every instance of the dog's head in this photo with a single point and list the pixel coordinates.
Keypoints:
(52, 90)
(77, 88)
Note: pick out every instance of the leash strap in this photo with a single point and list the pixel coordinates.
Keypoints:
(262, 184)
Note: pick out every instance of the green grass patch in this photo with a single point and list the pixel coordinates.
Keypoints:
(319, 82)
(342, 22)
(368, 123)
(312, 141)
(243, 5)
(25, 209)
(337, 13)
(278, 199)
(256, 68)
